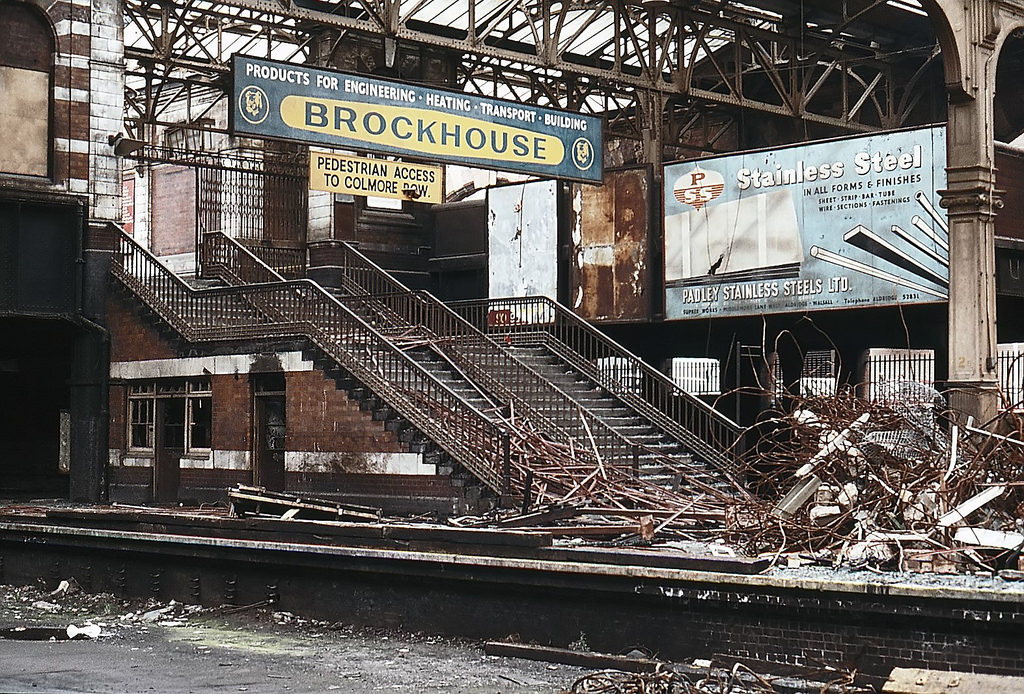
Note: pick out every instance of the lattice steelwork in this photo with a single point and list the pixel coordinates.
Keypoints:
(677, 72)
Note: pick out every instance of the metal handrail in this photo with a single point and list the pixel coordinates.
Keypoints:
(465, 341)
(528, 320)
(259, 310)
(289, 262)
(532, 396)
(484, 363)
(230, 261)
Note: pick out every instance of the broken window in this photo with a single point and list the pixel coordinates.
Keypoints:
(186, 411)
(140, 422)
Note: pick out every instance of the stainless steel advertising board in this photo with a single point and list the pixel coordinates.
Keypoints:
(835, 224)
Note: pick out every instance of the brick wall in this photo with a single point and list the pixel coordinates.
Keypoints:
(322, 418)
(131, 339)
(232, 412)
(399, 494)
(87, 91)
(173, 223)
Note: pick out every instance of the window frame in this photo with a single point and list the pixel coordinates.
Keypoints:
(44, 27)
(141, 399)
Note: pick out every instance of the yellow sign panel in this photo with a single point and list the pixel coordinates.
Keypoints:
(425, 131)
(336, 173)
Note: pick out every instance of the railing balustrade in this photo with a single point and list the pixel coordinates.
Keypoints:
(531, 320)
(303, 308)
(461, 333)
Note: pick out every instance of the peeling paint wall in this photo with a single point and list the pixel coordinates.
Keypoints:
(522, 232)
(610, 252)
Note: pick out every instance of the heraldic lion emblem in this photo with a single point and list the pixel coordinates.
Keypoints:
(253, 105)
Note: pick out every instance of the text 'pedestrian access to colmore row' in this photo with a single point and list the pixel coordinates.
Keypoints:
(305, 104)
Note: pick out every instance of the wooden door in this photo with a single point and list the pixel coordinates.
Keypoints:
(168, 447)
(268, 440)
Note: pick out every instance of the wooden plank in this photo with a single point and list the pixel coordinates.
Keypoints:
(689, 514)
(258, 501)
(299, 528)
(606, 530)
(564, 656)
(551, 513)
(666, 559)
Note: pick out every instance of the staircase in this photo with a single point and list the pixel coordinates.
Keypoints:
(301, 309)
(547, 333)
(587, 405)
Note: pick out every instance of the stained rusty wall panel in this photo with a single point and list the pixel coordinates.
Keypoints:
(174, 210)
(610, 250)
(1010, 178)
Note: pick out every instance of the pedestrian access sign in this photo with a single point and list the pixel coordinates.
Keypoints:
(337, 173)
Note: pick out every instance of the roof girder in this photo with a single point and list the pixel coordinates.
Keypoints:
(702, 51)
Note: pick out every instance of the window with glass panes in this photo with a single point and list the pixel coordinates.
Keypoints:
(187, 414)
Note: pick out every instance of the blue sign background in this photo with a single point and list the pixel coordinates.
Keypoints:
(269, 96)
(863, 229)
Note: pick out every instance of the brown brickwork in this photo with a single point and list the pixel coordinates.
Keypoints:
(118, 413)
(398, 494)
(60, 162)
(101, 237)
(81, 45)
(26, 43)
(79, 164)
(232, 412)
(72, 117)
(173, 209)
(375, 485)
(131, 475)
(322, 418)
(65, 10)
(220, 479)
(130, 338)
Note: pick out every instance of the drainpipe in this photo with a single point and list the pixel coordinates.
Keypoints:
(101, 493)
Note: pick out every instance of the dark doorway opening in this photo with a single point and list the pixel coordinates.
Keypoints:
(269, 431)
(35, 369)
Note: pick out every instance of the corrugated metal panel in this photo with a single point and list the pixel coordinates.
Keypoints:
(610, 252)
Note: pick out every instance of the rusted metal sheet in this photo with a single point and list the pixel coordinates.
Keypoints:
(1010, 178)
(174, 210)
(610, 250)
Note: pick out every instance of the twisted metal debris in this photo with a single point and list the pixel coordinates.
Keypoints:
(893, 484)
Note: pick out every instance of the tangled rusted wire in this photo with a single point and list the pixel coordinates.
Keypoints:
(739, 680)
(853, 481)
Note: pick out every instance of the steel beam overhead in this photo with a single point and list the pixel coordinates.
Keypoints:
(695, 64)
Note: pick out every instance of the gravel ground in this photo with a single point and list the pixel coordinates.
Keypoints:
(169, 648)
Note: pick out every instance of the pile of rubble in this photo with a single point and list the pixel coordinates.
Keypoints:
(894, 485)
